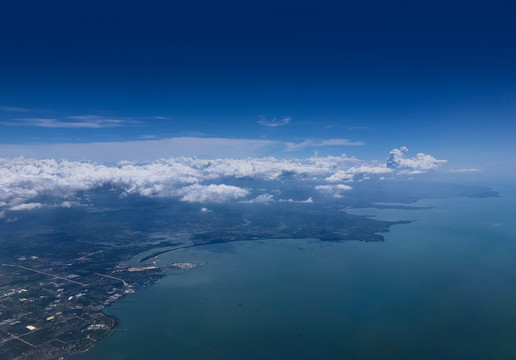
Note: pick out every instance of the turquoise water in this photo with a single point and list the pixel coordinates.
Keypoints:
(441, 287)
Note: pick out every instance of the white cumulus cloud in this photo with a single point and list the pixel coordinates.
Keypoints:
(357, 171)
(25, 182)
(307, 201)
(420, 163)
(211, 193)
(29, 206)
(333, 190)
(263, 198)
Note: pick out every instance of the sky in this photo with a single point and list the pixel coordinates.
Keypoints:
(110, 81)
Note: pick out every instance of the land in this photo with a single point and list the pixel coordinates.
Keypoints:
(52, 308)
(60, 268)
(55, 284)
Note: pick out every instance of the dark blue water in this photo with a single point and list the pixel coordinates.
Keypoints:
(442, 287)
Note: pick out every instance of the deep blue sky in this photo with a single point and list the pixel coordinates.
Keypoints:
(438, 77)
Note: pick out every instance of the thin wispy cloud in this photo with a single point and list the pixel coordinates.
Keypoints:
(291, 146)
(274, 122)
(463, 170)
(359, 127)
(82, 121)
(13, 109)
(148, 137)
(145, 150)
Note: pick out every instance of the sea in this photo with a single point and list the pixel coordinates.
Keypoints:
(440, 287)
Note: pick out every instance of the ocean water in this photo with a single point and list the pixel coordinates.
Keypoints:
(441, 287)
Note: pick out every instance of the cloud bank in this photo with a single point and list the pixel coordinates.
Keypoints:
(24, 182)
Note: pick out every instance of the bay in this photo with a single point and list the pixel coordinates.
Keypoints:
(441, 287)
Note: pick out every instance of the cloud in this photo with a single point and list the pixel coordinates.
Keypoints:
(307, 201)
(69, 204)
(13, 109)
(211, 193)
(29, 206)
(264, 198)
(149, 149)
(274, 122)
(333, 190)
(421, 163)
(25, 182)
(83, 121)
(144, 150)
(359, 127)
(463, 170)
(355, 172)
(311, 143)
